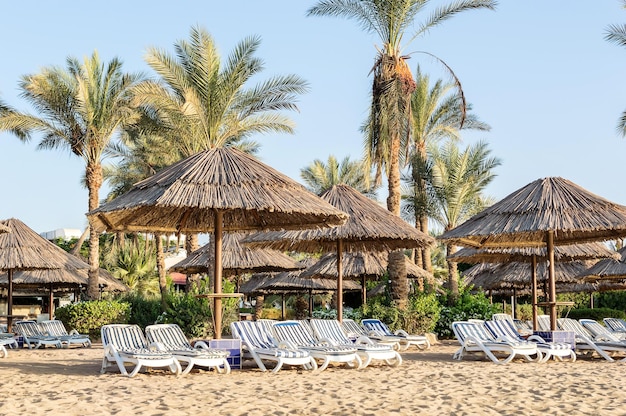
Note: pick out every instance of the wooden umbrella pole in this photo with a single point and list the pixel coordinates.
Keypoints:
(534, 291)
(339, 280)
(50, 302)
(217, 279)
(551, 280)
(363, 289)
(10, 300)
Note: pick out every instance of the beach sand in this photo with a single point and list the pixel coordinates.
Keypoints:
(68, 382)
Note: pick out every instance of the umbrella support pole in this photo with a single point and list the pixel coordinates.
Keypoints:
(534, 291)
(551, 280)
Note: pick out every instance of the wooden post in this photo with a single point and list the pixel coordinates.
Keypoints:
(217, 280)
(551, 280)
(339, 280)
(10, 300)
(363, 290)
(51, 303)
(534, 292)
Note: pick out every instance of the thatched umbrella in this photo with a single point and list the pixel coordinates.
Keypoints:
(291, 282)
(359, 264)
(369, 228)
(24, 249)
(4, 229)
(236, 259)
(221, 189)
(607, 269)
(544, 213)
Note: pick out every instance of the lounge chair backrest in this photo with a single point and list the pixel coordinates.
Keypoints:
(293, 331)
(329, 329)
(376, 325)
(351, 328)
(501, 316)
(28, 329)
(615, 324)
(123, 337)
(568, 324)
(254, 333)
(463, 329)
(53, 327)
(543, 321)
(503, 328)
(170, 335)
(599, 332)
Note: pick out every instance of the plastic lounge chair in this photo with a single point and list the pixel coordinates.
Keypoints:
(521, 326)
(295, 334)
(600, 333)
(585, 342)
(34, 336)
(353, 331)
(6, 340)
(615, 325)
(543, 323)
(259, 344)
(56, 328)
(170, 338)
(127, 344)
(330, 330)
(505, 329)
(476, 338)
(406, 340)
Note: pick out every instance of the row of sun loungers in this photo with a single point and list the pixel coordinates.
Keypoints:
(501, 341)
(50, 332)
(304, 343)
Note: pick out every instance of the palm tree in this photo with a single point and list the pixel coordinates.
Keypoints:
(457, 183)
(320, 177)
(81, 108)
(393, 83)
(617, 34)
(436, 114)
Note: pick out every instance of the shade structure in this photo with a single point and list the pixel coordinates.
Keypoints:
(23, 249)
(607, 269)
(359, 265)
(236, 259)
(370, 227)
(4, 229)
(221, 189)
(547, 212)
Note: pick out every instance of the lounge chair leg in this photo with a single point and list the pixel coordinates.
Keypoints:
(276, 369)
(325, 364)
(396, 361)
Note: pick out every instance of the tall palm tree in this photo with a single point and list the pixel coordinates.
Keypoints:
(320, 177)
(458, 180)
(393, 84)
(617, 34)
(436, 114)
(82, 108)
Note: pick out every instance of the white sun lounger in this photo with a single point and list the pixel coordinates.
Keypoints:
(586, 343)
(406, 340)
(56, 328)
(34, 336)
(170, 338)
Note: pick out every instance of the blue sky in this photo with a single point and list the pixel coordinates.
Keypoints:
(539, 72)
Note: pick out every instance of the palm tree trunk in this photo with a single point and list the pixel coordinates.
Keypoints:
(93, 176)
(160, 257)
(192, 244)
(453, 275)
(76, 249)
(399, 287)
(258, 307)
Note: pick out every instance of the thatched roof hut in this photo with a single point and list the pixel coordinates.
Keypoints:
(544, 213)
(370, 227)
(291, 282)
(236, 259)
(220, 189)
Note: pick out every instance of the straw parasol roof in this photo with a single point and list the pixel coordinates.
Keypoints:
(607, 269)
(370, 227)
(291, 281)
(570, 252)
(4, 229)
(220, 189)
(546, 212)
(236, 259)
(62, 278)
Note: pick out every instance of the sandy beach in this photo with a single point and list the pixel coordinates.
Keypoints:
(68, 382)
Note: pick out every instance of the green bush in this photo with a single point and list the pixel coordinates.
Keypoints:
(468, 306)
(421, 315)
(614, 299)
(597, 314)
(143, 311)
(191, 313)
(88, 317)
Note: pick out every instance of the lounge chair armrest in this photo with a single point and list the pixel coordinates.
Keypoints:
(157, 346)
(536, 338)
(363, 340)
(328, 341)
(288, 345)
(201, 345)
(375, 334)
(73, 332)
(401, 333)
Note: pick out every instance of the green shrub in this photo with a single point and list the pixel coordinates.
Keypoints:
(597, 314)
(421, 315)
(468, 306)
(614, 299)
(143, 311)
(88, 317)
(191, 313)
